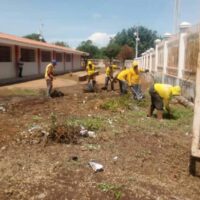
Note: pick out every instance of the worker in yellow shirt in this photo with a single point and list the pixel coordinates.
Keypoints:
(49, 76)
(134, 81)
(109, 77)
(161, 95)
(91, 75)
(122, 77)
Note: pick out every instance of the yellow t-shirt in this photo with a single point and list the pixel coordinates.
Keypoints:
(48, 71)
(123, 75)
(90, 70)
(164, 91)
(134, 78)
(109, 71)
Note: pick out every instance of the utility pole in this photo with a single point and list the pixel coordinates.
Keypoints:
(137, 39)
(41, 31)
(176, 15)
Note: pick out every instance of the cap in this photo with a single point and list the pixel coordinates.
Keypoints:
(135, 63)
(54, 62)
(89, 62)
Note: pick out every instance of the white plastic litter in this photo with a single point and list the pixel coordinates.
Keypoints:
(91, 134)
(96, 166)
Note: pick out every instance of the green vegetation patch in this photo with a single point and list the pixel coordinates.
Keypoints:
(90, 123)
(114, 189)
(122, 102)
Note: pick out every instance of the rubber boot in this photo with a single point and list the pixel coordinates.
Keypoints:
(159, 114)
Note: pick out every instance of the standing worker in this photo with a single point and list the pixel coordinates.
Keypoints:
(20, 67)
(91, 76)
(161, 95)
(109, 78)
(134, 80)
(49, 76)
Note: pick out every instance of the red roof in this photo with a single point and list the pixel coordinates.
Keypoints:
(32, 43)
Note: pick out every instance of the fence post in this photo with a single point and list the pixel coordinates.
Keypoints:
(181, 58)
(195, 149)
(151, 50)
(166, 37)
(156, 54)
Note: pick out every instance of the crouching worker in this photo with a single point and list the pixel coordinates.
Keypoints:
(49, 76)
(161, 95)
(135, 82)
(91, 76)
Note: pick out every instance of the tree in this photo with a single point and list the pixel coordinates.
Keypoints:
(146, 36)
(112, 50)
(35, 36)
(61, 43)
(125, 53)
(89, 47)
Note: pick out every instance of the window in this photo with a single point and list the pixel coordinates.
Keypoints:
(59, 57)
(5, 54)
(28, 55)
(46, 56)
(68, 57)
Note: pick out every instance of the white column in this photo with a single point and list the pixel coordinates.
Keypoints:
(151, 54)
(156, 54)
(181, 57)
(166, 36)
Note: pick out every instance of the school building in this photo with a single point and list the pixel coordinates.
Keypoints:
(35, 56)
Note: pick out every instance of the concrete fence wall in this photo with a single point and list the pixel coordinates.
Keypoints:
(174, 59)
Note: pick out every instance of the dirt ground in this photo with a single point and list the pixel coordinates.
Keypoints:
(143, 159)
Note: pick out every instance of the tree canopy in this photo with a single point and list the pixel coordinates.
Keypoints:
(61, 43)
(89, 47)
(35, 36)
(125, 53)
(120, 43)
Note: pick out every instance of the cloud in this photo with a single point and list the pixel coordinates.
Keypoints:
(100, 39)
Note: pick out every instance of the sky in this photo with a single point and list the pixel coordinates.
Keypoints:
(74, 21)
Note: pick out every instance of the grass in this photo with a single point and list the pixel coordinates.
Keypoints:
(114, 189)
(181, 120)
(90, 123)
(20, 92)
(122, 102)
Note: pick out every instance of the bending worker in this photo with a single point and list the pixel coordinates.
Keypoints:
(122, 77)
(161, 95)
(134, 80)
(49, 76)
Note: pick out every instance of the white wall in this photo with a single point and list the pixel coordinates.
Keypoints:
(68, 66)
(30, 68)
(8, 69)
(76, 62)
(59, 67)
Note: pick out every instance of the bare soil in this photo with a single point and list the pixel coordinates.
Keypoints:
(143, 159)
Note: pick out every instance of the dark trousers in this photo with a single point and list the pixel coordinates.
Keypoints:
(20, 71)
(107, 80)
(156, 100)
(122, 87)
